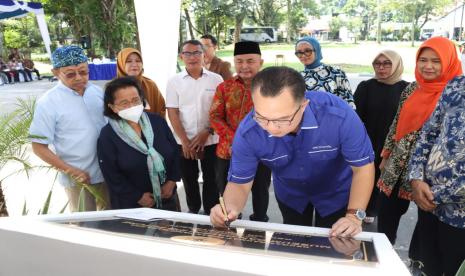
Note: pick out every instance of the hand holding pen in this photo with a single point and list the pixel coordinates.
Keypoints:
(225, 213)
(222, 217)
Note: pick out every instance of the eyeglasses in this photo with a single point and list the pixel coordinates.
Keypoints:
(190, 54)
(306, 52)
(277, 123)
(127, 104)
(72, 75)
(385, 64)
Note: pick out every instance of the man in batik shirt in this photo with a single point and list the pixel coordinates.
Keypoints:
(232, 101)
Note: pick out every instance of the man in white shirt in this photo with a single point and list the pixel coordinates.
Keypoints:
(69, 117)
(189, 95)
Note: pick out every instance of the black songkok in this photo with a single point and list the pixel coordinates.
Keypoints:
(246, 47)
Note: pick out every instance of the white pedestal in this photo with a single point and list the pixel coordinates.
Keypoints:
(40, 246)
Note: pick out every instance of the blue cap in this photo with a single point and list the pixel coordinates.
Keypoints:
(68, 55)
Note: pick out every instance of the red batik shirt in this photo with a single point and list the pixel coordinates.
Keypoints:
(232, 101)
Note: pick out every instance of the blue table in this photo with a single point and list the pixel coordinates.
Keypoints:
(104, 71)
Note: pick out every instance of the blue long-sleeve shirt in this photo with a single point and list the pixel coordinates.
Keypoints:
(439, 155)
(125, 169)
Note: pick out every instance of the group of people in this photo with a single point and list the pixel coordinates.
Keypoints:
(336, 158)
(15, 66)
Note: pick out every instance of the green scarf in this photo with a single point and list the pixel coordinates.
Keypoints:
(155, 165)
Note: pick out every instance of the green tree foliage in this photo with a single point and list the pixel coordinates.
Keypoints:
(109, 23)
(334, 25)
(268, 12)
(298, 12)
(211, 16)
(22, 33)
(331, 7)
(216, 16)
(418, 12)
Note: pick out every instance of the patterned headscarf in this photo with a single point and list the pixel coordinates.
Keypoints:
(316, 47)
(68, 55)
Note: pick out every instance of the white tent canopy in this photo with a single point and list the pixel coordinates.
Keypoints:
(17, 9)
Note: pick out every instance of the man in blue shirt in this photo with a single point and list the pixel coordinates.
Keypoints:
(69, 117)
(317, 148)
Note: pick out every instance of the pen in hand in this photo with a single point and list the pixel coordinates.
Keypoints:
(225, 213)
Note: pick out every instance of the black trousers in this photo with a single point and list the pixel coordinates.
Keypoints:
(291, 216)
(29, 73)
(190, 176)
(440, 247)
(260, 187)
(373, 204)
(391, 209)
(172, 203)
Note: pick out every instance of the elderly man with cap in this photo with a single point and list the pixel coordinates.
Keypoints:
(231, 103)
(69, 117)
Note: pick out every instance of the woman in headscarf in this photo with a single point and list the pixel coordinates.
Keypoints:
(437, 63)
(377, 100)
(137, 152)
(130, 64)
(319, 76)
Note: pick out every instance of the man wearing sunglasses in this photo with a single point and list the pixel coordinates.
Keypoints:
(316, 147)
(70, 117)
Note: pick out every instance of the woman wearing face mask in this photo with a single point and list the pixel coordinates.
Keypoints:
(377, 100)
(137, 152)
(319, 76)
(129, 63)
(437, 63)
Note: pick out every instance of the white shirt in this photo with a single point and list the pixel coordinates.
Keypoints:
(71, 123)
(193, 98)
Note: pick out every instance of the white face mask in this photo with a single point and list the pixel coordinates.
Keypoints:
(132, 114)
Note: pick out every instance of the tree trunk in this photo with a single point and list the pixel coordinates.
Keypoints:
(218, 33)
(378, 33)
(413, 33)
(238, 26)
(137, 31)
(189, 23)
(3, 210)
(2, 47)
(289, 32)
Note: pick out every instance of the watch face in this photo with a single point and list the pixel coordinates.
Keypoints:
(360, 214)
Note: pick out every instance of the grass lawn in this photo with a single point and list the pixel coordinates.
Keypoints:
(352, 58)
(227, 52)
(348, 68)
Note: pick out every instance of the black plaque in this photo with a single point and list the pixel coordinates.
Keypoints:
(251, 241)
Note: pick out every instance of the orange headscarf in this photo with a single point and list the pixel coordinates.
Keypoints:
(421, 103)
(151, 92)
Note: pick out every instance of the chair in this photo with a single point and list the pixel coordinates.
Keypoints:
(279, 61)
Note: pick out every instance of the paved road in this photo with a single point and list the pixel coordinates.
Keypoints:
(34, 190)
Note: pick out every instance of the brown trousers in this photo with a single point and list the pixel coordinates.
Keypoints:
(90, 203)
